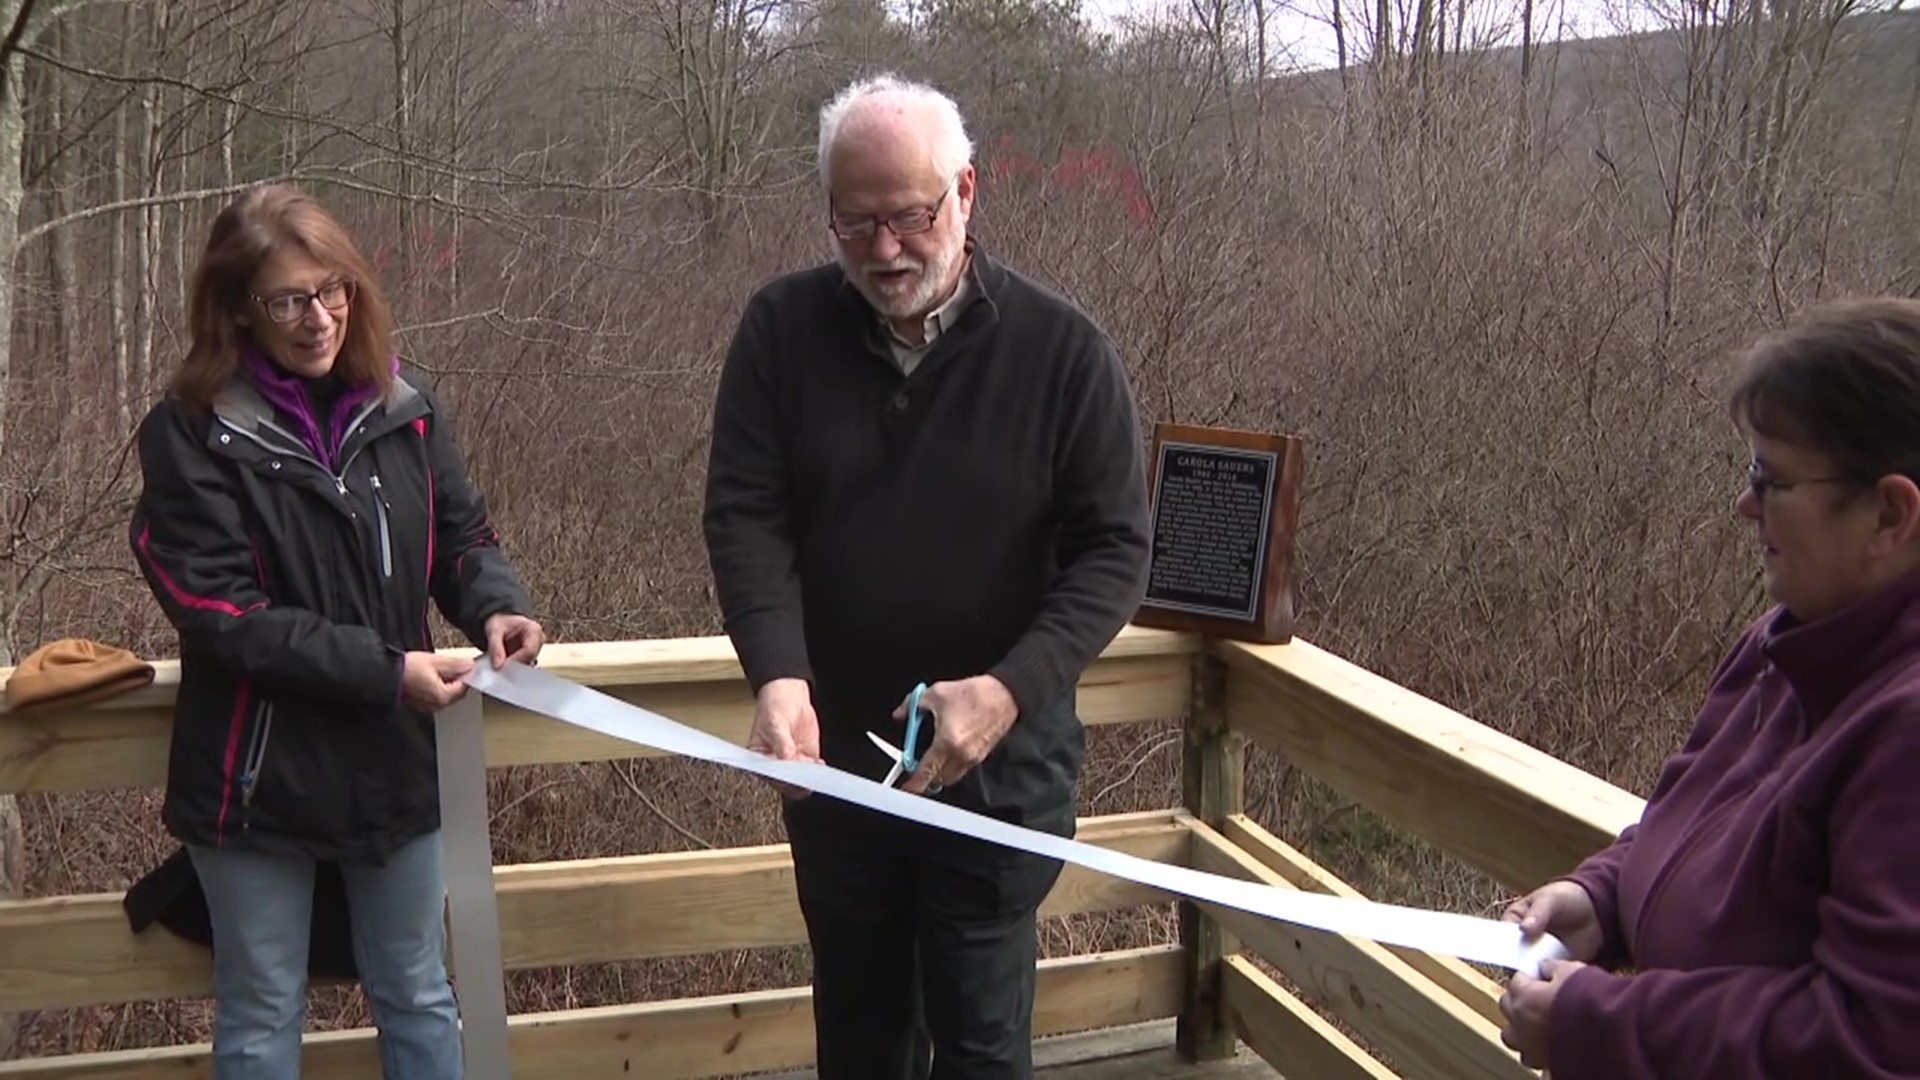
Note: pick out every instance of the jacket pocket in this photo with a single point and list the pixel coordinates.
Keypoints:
(255, 759)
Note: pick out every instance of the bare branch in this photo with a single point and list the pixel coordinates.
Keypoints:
(165, 199)
(453, 320)
(624, 772)
(352, 132)
(71, 68)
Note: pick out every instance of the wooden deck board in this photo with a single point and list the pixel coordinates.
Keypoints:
(1163, 1065)
(1132, 1052)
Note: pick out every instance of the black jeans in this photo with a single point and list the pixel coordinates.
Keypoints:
(924, 945)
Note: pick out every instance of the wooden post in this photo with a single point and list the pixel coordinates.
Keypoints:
(13, 873)
(1214, 787)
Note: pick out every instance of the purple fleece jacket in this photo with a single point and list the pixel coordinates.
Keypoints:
(1769, 897)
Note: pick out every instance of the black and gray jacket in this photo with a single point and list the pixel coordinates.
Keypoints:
(297, 569)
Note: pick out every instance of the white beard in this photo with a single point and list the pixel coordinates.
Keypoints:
(928, 284)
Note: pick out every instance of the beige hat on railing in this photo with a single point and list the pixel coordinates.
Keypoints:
(74, 671)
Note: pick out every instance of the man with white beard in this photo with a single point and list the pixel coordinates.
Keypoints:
(926, 472)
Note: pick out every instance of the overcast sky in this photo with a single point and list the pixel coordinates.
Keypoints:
(1300, 31)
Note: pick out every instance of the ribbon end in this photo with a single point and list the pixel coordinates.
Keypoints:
(1535, 953)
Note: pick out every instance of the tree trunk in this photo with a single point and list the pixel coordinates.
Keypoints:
(1423, 58)
(456, 152)
(1526, 42)
(403, 143)
(147, 223)
(12, 135)
(183, 221)
(64, 184)
(117, 306)
(1340, 41)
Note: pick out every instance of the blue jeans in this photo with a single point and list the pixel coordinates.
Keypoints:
(261, 907)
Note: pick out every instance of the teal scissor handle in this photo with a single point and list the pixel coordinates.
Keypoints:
(909, 758)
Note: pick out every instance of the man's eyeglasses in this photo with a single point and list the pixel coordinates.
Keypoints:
(289, 307)
(1762, 485)
(905, 223)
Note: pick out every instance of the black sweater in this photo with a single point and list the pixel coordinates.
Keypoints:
(985, 515)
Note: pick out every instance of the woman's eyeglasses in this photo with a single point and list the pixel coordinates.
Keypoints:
(289, 307)
(1762, 485)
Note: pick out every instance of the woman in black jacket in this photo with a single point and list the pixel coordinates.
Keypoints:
(303, 502)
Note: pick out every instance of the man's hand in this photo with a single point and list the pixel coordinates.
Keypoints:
(785, 727)
(1528, 1007)
(430, 682)
(513, 637)
(970, 717)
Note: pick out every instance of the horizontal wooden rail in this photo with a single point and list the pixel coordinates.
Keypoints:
(1517, 813)
(122, 743)
(1456, 977)
(78, 950)
(681, 1039)
(1286, 1032)
(1423, 1028)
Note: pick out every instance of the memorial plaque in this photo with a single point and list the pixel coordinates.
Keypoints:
(1224, 507)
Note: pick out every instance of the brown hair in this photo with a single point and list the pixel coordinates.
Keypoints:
(246, 234)
(1844, 379)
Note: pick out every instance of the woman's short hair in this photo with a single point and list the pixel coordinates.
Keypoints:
(1843, 379)
(261, 221)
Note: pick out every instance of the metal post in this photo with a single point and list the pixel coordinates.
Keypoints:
(472, 913)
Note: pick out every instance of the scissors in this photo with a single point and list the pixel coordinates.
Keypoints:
(904, 760)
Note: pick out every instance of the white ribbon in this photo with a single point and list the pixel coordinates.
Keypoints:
(1465, 936)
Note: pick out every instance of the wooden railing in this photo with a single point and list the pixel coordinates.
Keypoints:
(1500, 805)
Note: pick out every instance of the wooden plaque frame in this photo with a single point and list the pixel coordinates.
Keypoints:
(1268, 617)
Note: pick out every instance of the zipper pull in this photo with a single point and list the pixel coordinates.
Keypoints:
(340, 485)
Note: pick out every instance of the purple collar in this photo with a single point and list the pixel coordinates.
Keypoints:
(287, 393)
(1827, 658)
